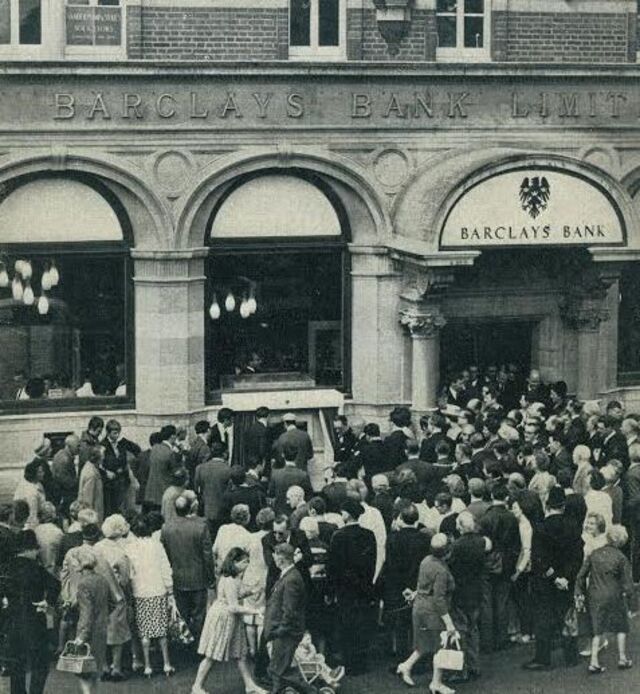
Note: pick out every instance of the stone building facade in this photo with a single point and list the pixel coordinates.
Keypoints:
(476, 165)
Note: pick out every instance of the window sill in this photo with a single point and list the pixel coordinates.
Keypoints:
(463, 55)
(317, 55)
(31, 408)
(97, 53)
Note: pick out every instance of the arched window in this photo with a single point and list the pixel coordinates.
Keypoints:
(276, 286)
(65, 332)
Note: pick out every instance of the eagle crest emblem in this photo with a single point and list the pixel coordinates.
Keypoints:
(534, 195)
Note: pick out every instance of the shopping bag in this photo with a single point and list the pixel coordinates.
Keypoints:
(179, 631)
(449, 658)
(77, 659)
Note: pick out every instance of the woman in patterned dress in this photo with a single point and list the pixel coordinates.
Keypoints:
(152, 586)
(223, 636)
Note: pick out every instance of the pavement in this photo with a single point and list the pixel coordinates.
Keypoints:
(501, 674)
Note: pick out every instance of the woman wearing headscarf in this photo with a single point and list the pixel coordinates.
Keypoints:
(119, 627)
(94, 603)
(152, 586)
(431, 612)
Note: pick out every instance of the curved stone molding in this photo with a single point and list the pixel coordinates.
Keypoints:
(604, 157)
(172, 170)
(391, 167)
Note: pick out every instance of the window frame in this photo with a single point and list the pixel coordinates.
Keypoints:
(94, 52)
(27, 51)
(314, 51)
(80, 250)
(460, 53)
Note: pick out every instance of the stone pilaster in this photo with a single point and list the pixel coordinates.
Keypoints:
(170, 315)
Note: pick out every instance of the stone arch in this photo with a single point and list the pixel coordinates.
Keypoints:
(431, 194)
(368, 219)
(151, 223)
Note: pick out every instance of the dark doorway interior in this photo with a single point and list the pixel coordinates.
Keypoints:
(484, 344)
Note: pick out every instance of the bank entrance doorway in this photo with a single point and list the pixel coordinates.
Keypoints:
(485, 344)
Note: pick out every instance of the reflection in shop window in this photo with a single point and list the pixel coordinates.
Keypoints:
(629, 327)
(63, 296)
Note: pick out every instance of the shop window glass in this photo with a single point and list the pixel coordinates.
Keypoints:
(63, 305)
(462, 27)
(629, 327)
(317, 28)
(294, 336)
(275, 291)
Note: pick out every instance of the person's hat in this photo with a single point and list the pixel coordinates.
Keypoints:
(289, 417)
(91, 532)
(353, 507)
(451, 411)
(556, 498)
(43, 448)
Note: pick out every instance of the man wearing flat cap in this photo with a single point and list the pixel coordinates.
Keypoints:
(351, 565)
(297, 438)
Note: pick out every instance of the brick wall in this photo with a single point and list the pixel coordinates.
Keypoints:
(213, 33)
(134, 32)
(563, 37)
(365, 42)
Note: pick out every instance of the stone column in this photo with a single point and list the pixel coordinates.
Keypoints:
(585, 316)
(424, 325)
(169, 325)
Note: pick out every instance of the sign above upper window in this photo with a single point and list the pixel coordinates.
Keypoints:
(533, 207)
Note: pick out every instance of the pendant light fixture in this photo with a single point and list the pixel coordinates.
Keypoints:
(17, 290)
(54, 275)
(244, 308)
(230, 302)
(43, 305)
(4, 275)
(27, 295)
(214, 309)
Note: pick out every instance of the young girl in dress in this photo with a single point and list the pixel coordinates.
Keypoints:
(223, 635)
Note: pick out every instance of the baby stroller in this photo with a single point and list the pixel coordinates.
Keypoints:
(311, 680)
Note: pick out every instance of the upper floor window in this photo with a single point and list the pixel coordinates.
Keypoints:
(317, 29)
(463, 29)
(20, 22)
(94, 23)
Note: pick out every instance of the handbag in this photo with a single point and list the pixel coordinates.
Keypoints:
(77, 659)
(449, 658)
(178, 630)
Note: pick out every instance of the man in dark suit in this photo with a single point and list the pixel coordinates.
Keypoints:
(222, 432)
(372, 455)
(556, 558)
(296, 438)
(351, 564)
(199, 451)
(163, 460)
(345, 439)
(210, 484)
(242, 491)
(394, 443)
(282, 532)
(288, 476)
(284, 618)
(65, 475)
(576, 428)
(501, 527)
(188, 545)
(614, 443)
(435, 429)
(256, 437)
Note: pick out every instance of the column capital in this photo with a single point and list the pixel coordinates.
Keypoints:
(420, 282)
(422, 325)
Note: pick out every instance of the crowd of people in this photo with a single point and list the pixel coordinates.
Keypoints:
(510, 514)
